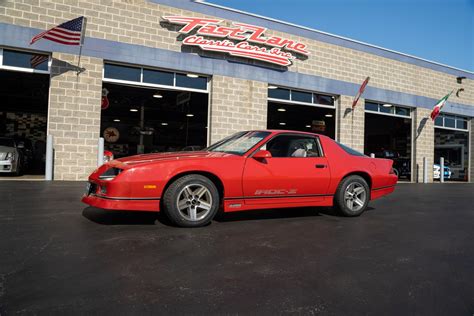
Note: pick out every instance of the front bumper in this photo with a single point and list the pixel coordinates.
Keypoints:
(123, 204)
(6, 166)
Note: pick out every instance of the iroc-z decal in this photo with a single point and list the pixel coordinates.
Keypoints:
(276, 192)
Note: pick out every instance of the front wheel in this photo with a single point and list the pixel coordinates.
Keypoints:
(191, 201)
(352, 196)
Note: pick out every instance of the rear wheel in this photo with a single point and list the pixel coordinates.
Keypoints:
(191, 201)
(352, 196)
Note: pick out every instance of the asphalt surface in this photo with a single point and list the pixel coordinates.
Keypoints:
(411, 253)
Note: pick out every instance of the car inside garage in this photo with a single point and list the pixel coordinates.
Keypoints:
(147, 110)
(23, 113)
(388, 130)
(305, 111)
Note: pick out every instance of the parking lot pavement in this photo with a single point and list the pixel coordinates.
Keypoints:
(412, 252)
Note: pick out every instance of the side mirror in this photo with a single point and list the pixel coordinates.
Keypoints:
(262, 154)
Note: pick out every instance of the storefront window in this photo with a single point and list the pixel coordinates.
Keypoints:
(279, 93)
(449, 121)
(122, 72)
(301, 96)
(25, 60)
(191, 82)
(369, 106)
(158, 77)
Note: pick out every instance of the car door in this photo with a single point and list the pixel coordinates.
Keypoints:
(296, 172)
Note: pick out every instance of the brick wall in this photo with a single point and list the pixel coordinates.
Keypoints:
(350, 124)
(138, 22)
(74, 115)
(471, 153)
(237, 105)
(424, 143)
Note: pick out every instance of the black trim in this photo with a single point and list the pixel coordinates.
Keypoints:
(124, 198)
(385, 187)
(276, 196)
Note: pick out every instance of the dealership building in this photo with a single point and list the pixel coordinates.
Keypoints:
(172, 75)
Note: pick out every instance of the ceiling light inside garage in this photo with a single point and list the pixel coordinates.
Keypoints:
(387, 105)
(281, 110)
(282, 123)
(272, 87)
(133, 110)
(192, 75)
(189, 115)
(164, 124)
(328, 115)
(116, 120)
(158, 95)
(308, 126)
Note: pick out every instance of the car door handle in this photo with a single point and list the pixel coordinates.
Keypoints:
(320, 166)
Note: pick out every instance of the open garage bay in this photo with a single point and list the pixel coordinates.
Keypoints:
(411, 253)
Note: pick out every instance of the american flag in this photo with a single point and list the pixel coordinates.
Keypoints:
(67, 33)
(37, 60)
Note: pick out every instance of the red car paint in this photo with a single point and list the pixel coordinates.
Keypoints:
(248, 183)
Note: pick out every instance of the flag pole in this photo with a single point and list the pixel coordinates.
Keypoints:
(83, 35)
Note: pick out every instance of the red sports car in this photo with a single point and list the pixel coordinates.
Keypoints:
(248, 170)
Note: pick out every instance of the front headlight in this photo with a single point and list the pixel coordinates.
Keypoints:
(10, 156)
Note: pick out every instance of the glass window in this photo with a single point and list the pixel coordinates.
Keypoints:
(402, 111)
(449, 121)
(369, 106)
(461, 123)
(439, 121)
(293, 146)
(25, 60)
(122, 72)
(323, 99)
(301, 96)
(384, 109)
(238, 143)
(188, 82)
(279, 93)
(350, 150)
(158, 77)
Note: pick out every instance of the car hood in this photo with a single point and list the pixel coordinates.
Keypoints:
(157, 157)
(6, 149)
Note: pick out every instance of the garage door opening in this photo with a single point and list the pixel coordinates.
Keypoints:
(158, 115)
(301, 111)
(23, 114)
(451, 143)
(388, 135)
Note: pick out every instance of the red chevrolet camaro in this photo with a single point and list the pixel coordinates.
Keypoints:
(248, 170)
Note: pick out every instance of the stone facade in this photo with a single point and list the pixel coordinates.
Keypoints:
(74, 115)
(350, 123)
(237, 105)
(423, 143)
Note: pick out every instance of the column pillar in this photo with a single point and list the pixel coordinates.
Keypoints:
(423, 143)
(350, 124)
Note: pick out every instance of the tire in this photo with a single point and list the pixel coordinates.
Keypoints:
(191, 201)
(397, 173)
(344, 198)
(19, 169)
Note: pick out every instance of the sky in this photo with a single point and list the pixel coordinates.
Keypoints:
(437, 30)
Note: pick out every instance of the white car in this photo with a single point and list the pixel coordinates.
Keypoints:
(437, 172)
(10, 156)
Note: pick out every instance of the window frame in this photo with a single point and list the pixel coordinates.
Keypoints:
(456, 118)
(291, 101)
(24, 69)
(153, 85)
(394, 107)
(315, 137)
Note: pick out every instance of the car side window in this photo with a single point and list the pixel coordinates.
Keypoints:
(296, 146)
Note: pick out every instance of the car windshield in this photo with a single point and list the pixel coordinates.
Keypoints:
(7, 142)
(238, 143)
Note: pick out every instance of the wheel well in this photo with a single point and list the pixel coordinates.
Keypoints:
(215, 179)
(362, 174)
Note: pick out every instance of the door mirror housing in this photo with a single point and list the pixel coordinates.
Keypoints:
(262, 154)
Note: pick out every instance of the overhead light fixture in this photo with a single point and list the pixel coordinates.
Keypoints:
(281, 110)
(282, 123)
(192, 75)
(308, 126)
(272, 87)
(133, 110)
(164, 124)
(387, 105)
(189, 115)
(158, 95)
(328, 115)
(116, 120)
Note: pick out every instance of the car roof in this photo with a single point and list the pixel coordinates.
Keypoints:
(286, 131)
